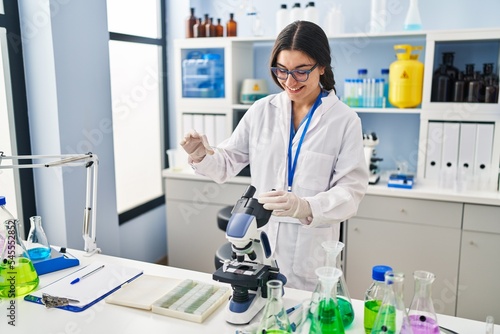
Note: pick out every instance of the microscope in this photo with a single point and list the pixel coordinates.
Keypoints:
(369, 143)
(251, 265)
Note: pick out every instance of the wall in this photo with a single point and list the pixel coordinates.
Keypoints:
(67, 74)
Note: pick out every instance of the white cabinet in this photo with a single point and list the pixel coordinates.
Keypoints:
(192, 205)
(408, 235)
(478, 292)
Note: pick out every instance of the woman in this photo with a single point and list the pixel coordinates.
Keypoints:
(303, 142)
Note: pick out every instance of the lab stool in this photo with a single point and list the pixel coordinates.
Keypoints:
(224, 252)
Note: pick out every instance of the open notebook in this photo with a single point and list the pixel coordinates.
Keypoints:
(184, 299)
(90, 289)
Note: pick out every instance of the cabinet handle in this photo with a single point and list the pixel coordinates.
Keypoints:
(403, 210)
(472, 243)
(356, 229)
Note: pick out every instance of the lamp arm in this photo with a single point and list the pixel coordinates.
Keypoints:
(91, 162)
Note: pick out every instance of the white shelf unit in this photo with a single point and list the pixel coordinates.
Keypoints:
(239, 64)
(479, 43)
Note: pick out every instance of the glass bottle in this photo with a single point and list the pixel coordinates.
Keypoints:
(16, 268)
(423, 319)
(459, 88)
(333, 251)
(199, 28)
(274, 319)
(37, 244)
(219, 29)
(392, 316)
(231, 26)
(374, 296)
(190, 22)
(4, 215)
(441, 85)
(210, 28)
(413, 21)
(325, 297)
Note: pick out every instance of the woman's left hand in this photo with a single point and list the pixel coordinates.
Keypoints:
(286, 204)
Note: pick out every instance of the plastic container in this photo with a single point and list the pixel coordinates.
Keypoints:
(385, 76)
(335, 21)
(374, 296)
(203, 77)
(282, 18)
(311, 13)
(406, 76)
(296, 13)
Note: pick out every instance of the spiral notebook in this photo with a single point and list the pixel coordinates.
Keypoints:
(97, 285)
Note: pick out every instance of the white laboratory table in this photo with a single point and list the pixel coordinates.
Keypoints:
(108, 318)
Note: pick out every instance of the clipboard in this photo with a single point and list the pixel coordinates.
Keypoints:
(91, 289)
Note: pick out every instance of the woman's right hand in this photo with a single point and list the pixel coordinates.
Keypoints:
(196, 146)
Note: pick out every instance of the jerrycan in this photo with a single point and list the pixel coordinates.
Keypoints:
(406, 77)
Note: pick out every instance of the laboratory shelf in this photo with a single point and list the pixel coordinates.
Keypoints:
(388, 110)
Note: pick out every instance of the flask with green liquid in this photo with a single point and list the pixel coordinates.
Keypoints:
(18, 276)
(333, 251)
(374, 296)
(325, 295)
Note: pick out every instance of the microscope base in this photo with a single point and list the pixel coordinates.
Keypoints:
(373, 179)
(239, 314)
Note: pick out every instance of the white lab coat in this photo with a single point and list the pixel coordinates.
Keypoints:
(331, 175)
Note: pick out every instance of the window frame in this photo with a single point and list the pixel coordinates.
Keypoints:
(25, 191)
(161, 41)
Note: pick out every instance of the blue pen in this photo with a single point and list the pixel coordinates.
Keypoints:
(78, 279)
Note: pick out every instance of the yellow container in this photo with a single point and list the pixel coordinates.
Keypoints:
(406, 76)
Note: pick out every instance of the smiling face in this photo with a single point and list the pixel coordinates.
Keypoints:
(299, 92)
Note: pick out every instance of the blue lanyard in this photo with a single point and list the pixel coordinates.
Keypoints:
(293, 165)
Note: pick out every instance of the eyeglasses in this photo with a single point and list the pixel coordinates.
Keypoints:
(298, 75)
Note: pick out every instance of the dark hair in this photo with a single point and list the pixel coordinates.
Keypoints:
(309, 38)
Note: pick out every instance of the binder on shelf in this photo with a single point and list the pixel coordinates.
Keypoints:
(467, 148)
(484, 148)
(209, 123)
(198, 123)
(89, 290)
(220, 129)
(449, 155)
(187, 123)
(433, 150)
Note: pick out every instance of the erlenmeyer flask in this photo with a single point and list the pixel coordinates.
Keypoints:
(17, 274)
(37, 243)
(275, 319)
(309, 323)
(333, 259)
(325, 295)
(423, 319)
(392, 316)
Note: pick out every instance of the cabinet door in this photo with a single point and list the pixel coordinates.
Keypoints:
(478, 291)
(405, 247)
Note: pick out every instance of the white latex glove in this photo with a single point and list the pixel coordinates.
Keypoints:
(196, 146)
(286, 204)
